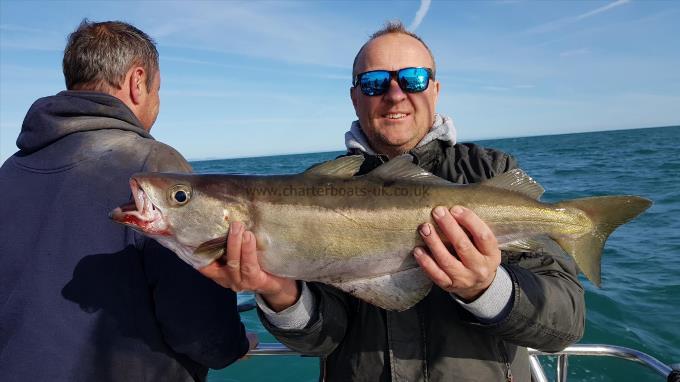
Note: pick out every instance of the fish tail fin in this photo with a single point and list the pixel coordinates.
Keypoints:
(607, 213)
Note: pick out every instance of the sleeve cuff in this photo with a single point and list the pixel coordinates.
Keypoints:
(296, 316)
(495, 303)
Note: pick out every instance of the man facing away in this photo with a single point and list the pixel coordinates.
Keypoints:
(484, 309)
(83, 298)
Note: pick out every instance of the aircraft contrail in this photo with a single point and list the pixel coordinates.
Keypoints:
(420, 14)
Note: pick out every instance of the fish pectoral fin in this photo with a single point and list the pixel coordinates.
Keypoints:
(542, 243)
(212, 249)
(397, 291)
(344, 167)
(402, 168)
(518, 181)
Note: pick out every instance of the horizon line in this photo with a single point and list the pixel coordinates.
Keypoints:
(209, 159)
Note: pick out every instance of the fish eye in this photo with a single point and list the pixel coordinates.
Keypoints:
(180, 195)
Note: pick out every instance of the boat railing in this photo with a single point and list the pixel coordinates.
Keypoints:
(629, 354)
(537, 371)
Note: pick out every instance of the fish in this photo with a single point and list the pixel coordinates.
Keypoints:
(357, 233)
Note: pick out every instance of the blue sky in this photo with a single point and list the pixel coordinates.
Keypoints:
(258, 78)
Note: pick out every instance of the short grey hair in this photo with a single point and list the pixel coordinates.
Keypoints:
(392, 27)
(98, 55)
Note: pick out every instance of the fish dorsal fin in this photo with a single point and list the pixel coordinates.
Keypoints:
(402, 168)
(518, 181)
(344, 167)
(397, 291)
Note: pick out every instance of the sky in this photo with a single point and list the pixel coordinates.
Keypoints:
(260, 78)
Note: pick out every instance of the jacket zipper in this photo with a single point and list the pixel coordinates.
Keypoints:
(504, 358)
(508, 374)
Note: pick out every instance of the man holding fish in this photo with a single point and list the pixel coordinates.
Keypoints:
(486, 307)
(81, 298)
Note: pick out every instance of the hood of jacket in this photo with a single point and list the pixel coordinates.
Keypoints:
(52, 118)
(442, 129)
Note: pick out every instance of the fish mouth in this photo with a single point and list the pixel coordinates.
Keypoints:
(140, 213)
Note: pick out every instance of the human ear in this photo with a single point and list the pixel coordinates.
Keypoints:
(137, 84)
(436, 92)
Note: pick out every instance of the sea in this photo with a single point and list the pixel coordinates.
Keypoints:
(638, 304)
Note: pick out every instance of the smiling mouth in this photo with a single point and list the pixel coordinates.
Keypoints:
(395, 116)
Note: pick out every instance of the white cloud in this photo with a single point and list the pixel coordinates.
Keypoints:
(504, 88)
(283, 31)
(20, 28)
(575, 52)
(267, 69)
(495, 88)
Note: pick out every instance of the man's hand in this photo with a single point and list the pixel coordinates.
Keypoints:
(253, 340)
(477, 257)
(241, 271)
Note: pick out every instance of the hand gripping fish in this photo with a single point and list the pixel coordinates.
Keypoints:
(357, 232)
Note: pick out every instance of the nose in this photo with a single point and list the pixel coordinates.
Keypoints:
(394, 93)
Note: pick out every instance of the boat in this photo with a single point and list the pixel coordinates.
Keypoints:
(671, 373)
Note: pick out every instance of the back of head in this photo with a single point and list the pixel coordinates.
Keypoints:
(391, 27)
(98, 55)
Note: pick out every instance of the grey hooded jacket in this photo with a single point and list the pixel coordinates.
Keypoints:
(438, 340)
(83, 298)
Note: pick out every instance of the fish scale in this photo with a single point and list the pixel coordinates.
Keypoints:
(357, 233)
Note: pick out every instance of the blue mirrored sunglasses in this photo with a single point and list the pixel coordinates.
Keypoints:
(377, 82)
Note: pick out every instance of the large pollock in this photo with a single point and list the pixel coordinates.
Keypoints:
(357, 232)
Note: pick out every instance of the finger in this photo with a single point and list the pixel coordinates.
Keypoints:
(484, 239)
(466, 251)
(432, 269)
(215, 272)
(250, 267)
(253, 340)
(441, 255)
(234, 243)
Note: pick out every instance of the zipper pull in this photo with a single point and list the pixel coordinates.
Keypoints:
(508, 374)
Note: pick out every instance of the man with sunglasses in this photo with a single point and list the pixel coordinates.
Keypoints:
(477, 321)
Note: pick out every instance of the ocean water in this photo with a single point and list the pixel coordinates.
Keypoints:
(638, 305)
